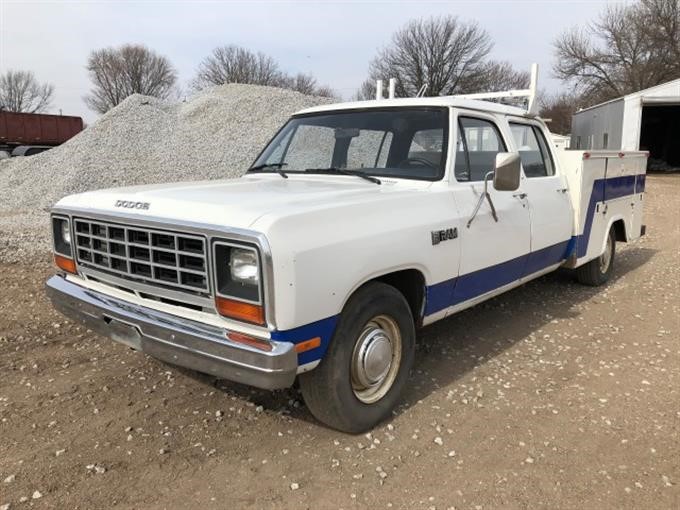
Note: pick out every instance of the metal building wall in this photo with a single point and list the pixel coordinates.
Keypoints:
(590, 126)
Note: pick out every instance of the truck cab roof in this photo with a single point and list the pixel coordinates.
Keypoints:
(446, 101)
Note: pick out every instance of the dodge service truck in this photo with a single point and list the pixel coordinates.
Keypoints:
(357, 224)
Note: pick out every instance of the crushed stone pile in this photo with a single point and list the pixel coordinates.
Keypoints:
(213, 135)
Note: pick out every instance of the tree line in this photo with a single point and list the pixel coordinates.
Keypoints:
(117, 73)
(628, 48)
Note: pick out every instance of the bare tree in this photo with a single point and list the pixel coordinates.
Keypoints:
(326, 91)
(305, 84)
(117, 73)
(630, 47)
(662, 21)
(558, 109)
(445, 56)
(21, 92)
(233, 64)
(366, 90)
(499, 75)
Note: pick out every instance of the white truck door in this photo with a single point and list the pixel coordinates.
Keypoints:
(493, 252)
(549, 203)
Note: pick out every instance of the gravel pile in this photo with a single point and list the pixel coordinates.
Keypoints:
(215, 134)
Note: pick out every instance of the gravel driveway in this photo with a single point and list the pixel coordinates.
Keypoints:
(552, 396)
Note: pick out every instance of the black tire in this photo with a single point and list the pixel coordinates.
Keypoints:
(329, 391)
(598, 271)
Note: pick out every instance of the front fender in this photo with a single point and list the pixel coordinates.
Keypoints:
(316, 269)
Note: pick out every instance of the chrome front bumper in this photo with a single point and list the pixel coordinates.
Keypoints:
(201, 347)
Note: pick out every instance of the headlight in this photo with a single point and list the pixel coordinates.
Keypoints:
(63, 251)
(238, 283)
(61, 231)
(66, 232)
(244, 266)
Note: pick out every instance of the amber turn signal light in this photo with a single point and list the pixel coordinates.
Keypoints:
(65, 263)
(308, 345)
(240, 310)
(258, 343)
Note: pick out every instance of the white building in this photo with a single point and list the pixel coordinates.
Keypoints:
(645, 120)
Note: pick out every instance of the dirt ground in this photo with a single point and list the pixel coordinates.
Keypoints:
(553, 395)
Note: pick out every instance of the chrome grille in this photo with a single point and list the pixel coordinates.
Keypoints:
(169, 259)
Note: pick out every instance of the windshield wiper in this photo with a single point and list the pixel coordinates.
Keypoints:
(342, 171)
(274, 166)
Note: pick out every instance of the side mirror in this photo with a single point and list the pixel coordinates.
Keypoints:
(507, 172)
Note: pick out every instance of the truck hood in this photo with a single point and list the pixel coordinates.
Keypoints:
(238, 202)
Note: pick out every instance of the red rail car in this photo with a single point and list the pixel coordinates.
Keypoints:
(29, 133)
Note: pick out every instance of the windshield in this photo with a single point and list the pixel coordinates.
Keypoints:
(408, 143)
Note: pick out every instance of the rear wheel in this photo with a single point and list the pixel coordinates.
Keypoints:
(359, 380)
(599, 270)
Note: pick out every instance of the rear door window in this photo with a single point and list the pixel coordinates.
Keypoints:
(533, 150)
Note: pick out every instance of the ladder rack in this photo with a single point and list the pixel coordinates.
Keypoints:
(530, 93)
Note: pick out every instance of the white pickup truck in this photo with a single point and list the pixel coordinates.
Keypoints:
(356, 225)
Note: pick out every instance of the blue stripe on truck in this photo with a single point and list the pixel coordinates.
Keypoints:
(324, 329)
(619, 187)
(546, 257)
(469, 286)
(607, 189)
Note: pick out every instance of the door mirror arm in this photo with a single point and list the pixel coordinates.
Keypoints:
(506, 177)
(485, 194)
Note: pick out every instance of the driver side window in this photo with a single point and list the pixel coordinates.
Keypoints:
(478, 143)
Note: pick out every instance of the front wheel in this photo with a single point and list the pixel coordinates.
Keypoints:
(598, 271)
(359, 380)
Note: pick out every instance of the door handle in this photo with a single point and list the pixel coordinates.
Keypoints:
(521, 196)
(563, 190)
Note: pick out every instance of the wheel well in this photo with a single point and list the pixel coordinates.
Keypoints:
(620, 231)
(411, 283)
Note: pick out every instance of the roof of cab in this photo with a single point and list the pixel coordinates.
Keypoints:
(449, 101)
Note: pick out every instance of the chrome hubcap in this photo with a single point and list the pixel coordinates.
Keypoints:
(606, 258)
(373, 358)
(376, 359)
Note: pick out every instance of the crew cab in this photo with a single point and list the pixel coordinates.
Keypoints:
(357, 224)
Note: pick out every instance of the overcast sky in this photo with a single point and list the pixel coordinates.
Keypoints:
(332, 40)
